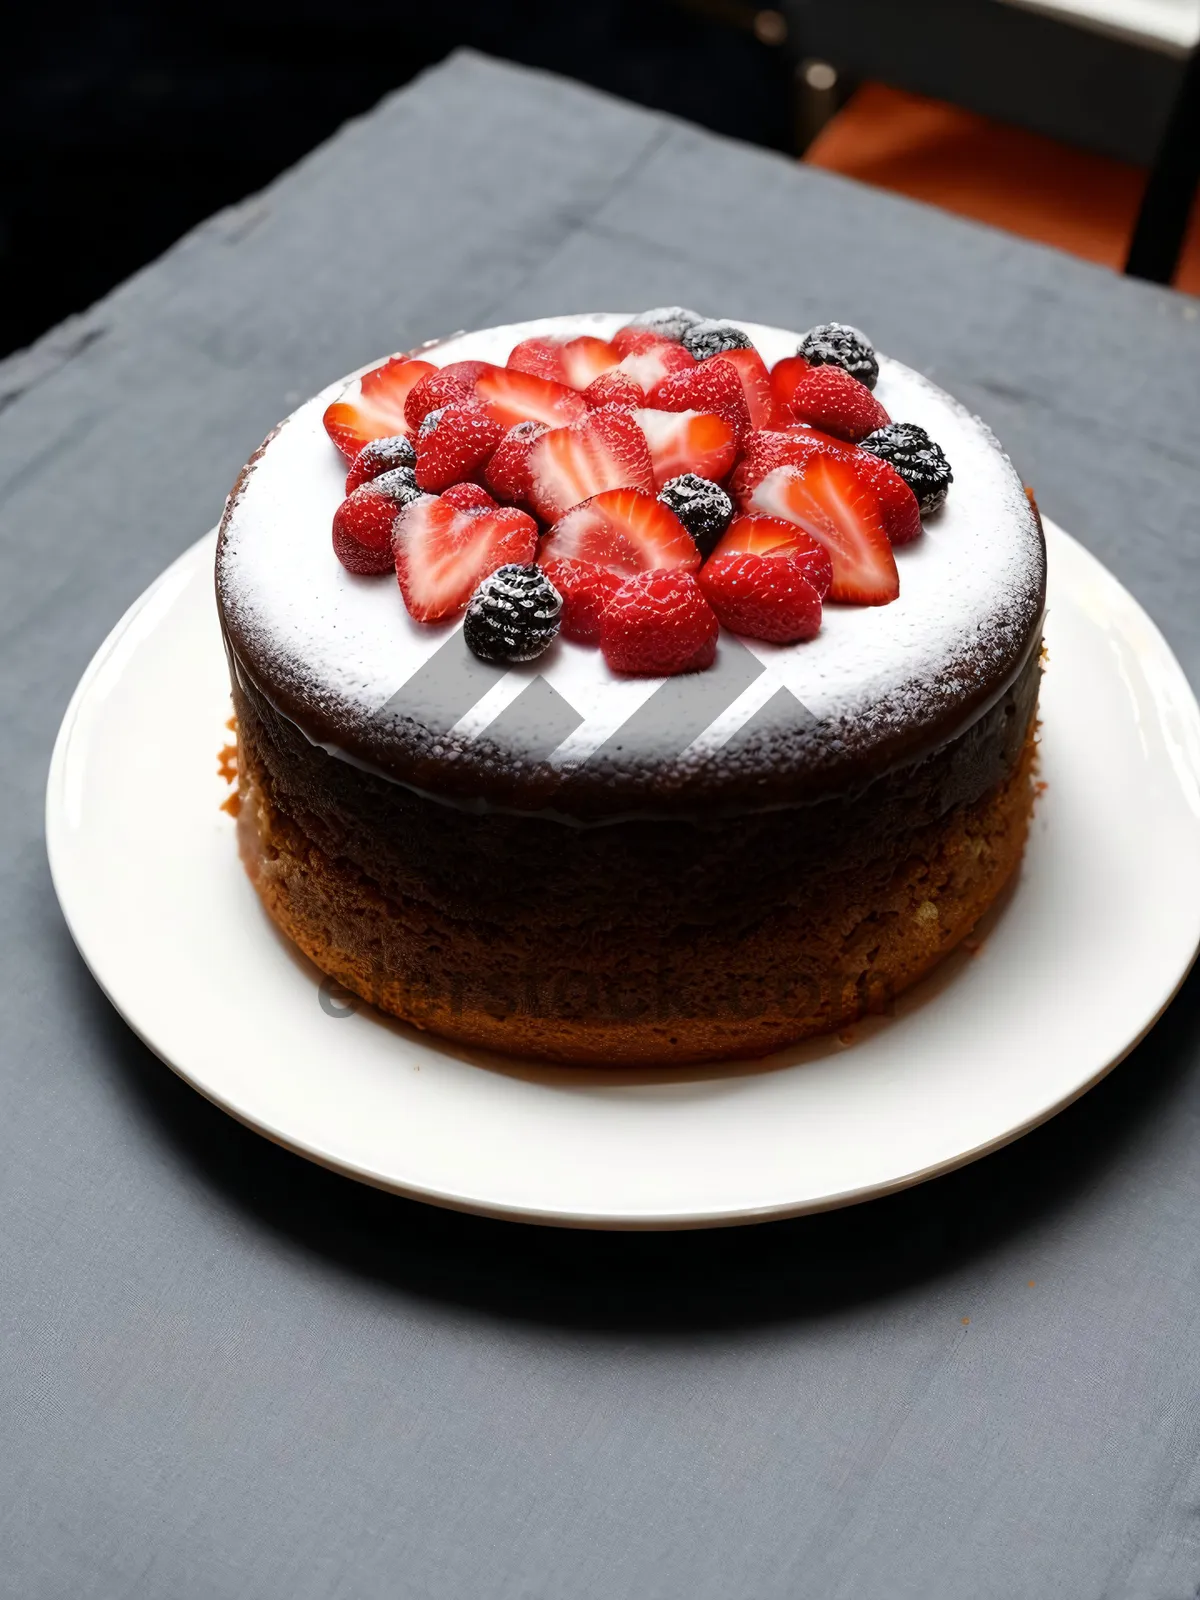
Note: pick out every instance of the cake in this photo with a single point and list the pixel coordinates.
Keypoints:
(701, 718)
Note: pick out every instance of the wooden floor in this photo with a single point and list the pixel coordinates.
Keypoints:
(1020, 181)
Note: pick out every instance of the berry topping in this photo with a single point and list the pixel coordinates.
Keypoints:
(574, 362)
(897, 503)
(650, 361)
(381, 455)
(827, 498)
(688, 441)
(756, 386)
(830, 399)
(468, 497)
(669, 322)
(919, 461)
(837, 344)
(606, 450)
(659, 623)
(709, 338)
(363, 523)
(586, 589)
(509, 397)
(771, 536)
(615, 388)
(376, 410)
(507, 473)
(513, 615)
(623, 530)
(701, 505)
(768, 448)
(439, 387)
(707, 386)
(763, 597)
(444, 552)
(454, 444)
(786, 375)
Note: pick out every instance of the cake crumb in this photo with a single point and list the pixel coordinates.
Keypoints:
(227, 763)
(232, 803)
(966, 1322)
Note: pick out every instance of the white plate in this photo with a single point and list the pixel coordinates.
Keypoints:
(1079, 962)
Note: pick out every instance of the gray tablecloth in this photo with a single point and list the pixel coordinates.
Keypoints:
(225, 1373)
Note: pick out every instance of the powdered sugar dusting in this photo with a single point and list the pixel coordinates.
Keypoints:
(343, 645)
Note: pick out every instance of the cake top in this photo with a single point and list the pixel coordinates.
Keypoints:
(909, 648)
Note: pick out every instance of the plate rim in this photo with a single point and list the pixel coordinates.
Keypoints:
(1155, 643)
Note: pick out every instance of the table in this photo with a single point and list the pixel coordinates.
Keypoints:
(226, 1373)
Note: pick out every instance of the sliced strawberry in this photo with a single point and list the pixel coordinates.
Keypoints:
(653, 362)
(659, 623)
(374, 407)
(454, 445)
(756, 384)
(586, 589)
(438, 388)
(771, 536)
(574, 362)
(768, 448)
(763, 597)
(469, 497)
(364, 522)
(688, 441)
(507, 473)
(828, 499)
(614, 388)
(632, 340)
(786, 375)
(510, 397)
(381, 455)
(714, 385)
(443, 552)
(607, 450)
(899, 505)
(624, 530)
(829, 398)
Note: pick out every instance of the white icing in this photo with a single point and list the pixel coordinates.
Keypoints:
(345, 644)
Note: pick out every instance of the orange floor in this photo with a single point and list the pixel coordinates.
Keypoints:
(1020, 181)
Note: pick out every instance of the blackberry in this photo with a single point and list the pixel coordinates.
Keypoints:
(429, 422)
(672, 322)
(383, 454)
(400, 485)
(701, 505)
(513, 615)
(837, 344)
(709, 338)
(919, 461)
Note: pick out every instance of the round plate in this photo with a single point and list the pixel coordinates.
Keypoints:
(1065, 977)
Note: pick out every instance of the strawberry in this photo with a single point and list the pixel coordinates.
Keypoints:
(652, 361)
(786, 374)
(469, 497)
(768, 448)
(454, 445)
(574, 362)
(623, 530)
(763, 597)
(614, 388)
(771, 536)
(607, 450)
(444, 551)
(438, 388)
(829, 398)
(632, 340)
(509, 397)
(712, 385)
(376, 411)
(363, 523)
(826, 497)
(659, 623)
(586, 589)
(688, 441)
(756, 384)
(899, 505)
(507, 473)
(381, 455)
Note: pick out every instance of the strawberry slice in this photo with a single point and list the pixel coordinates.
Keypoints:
(374, 407)
(756, 384)
(624, 531)
(507, 473)
(652, 360)
(659, 623)
(899, 505)
(574, 362)
(763, 597)
(586, 589)
(444, 551)
(829, 398)
(771, 536)
(768, 448)
(688, 441)
(510, 397)
(714, 385)
(614, 388)
(786, 376)
(827, 498)
(454, 445)
(607, 450)
(442, 387)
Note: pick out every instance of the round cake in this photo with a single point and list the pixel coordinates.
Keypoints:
(627, 769)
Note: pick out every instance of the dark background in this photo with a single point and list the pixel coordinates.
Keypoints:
(126, 124)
